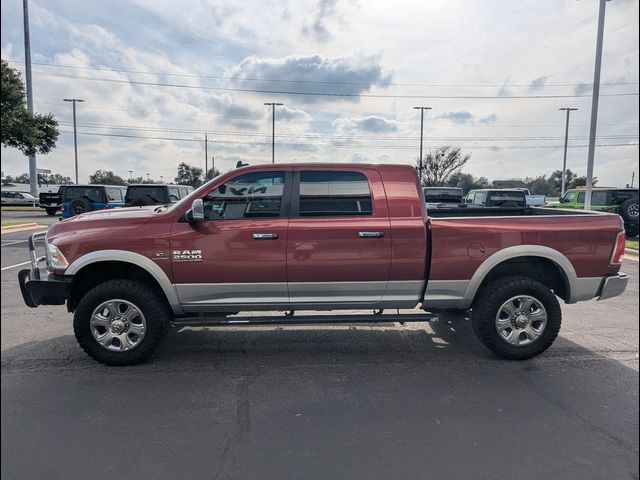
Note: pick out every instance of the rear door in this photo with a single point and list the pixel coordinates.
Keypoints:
(339, 240)
(236, 255)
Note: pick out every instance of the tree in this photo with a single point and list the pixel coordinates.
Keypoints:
(188, 175)
(139, 180)
(212, 173)
(467, 182)
(106, 177)
(541, 186)
(439, 166)
(29, 133)
(572, 180)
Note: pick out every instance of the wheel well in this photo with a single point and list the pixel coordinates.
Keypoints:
(99, 272)
(541, 269)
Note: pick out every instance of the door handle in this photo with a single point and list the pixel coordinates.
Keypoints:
(264, 236)
(370, 234)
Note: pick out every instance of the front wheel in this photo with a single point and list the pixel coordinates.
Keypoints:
(121, 322)
(516, 317)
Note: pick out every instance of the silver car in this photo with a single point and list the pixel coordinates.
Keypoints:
(18, 198)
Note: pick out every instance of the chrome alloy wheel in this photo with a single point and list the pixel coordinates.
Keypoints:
(118, 325)
(521, 320)
(634, 210)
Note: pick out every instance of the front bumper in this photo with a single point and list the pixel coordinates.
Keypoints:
(53, 290)
(613, 286)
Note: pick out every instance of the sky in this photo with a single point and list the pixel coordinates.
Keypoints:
(156, 75)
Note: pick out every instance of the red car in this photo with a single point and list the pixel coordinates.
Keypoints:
(321, 237)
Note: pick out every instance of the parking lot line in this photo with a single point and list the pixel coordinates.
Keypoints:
(13, 243)
(14, 266)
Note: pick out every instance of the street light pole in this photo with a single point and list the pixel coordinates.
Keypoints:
(75, 130)
(273, 129)
(594, 104)
(206, 155)
(33, 166)
(566, 142)
(422, 109)
(130, 175)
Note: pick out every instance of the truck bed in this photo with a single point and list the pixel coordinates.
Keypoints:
(504, 212)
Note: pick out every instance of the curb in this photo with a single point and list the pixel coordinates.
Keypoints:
(631, 255)
(21, 227)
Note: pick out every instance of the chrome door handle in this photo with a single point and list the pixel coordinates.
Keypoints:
(370, 234)
(264, 236)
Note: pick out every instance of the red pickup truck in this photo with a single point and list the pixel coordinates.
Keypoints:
(321, 237)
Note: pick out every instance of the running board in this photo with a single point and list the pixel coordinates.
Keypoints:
(303, 319)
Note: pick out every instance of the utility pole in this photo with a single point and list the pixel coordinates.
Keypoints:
(206, 155)
(273, 129)
(422, 109)
(566, 142)
(633, 178)
(75, 130)
(33, 167)
(594, 104)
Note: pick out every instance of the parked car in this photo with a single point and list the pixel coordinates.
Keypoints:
(327, 237)
(77, 199)
(504, 198)
(50, 198)
(18, 199)
(155, 194)
(534, 200)
(443, 197)
(623, 201)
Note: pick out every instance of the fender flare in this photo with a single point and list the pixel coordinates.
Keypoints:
(509, 253)
(135, 259)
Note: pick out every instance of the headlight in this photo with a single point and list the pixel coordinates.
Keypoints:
(55, 258)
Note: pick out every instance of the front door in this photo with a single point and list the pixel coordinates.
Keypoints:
(236, 256)
(339, 241)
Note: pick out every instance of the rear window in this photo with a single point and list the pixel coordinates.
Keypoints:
(153, 193)
(93, 194)
(453, 195)
(324, 194)
(114, 194)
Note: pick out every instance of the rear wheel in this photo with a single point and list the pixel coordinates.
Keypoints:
(630, 211)
(121, 322)
(516, 317)
(79, 205)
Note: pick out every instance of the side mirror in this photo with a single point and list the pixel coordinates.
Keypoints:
(196, 213)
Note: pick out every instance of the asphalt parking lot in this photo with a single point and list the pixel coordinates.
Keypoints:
(422, 401)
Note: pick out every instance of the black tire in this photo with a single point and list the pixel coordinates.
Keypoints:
(51, 211)
(631, 229)
(629, 211)
(79, 205)
(152, 305)
(490, 300)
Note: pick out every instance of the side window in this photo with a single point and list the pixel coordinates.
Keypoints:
(599, 198)
(479, 198)
(253, 195)
(184, 192)
(569, 197)
(19, 195)
(581, 197)
(174, 194)
(328, 194)
(114, 194)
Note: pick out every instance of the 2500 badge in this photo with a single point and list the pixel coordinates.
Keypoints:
(187, 255)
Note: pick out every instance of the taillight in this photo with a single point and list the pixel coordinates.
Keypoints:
(618, 249)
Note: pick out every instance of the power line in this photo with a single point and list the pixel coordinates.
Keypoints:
(321, 82)
(330, 146)
(324, 136)
(324, 94)
(257, 119)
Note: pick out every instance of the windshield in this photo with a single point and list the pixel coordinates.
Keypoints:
(449, 195)
(192, 195)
